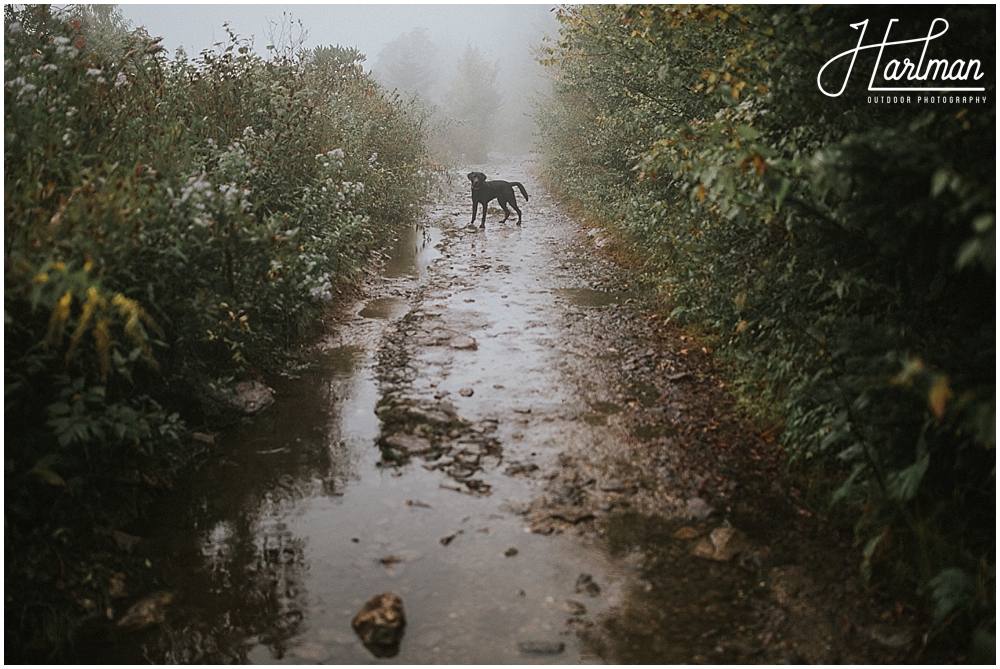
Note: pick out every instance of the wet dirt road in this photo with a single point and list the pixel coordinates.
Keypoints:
(496, 435)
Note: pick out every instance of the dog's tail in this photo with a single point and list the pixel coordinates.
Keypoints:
(520, 188)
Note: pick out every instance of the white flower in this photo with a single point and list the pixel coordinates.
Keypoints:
(14, 27)
(93, 72)
(49, 67)
(61, 40)
(121, 80)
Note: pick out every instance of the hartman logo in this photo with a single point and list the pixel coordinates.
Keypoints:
(923, 74)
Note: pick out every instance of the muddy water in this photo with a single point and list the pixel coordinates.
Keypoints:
(307, 510)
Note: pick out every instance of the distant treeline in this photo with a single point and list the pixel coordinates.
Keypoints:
(840, 253)
(171, 226)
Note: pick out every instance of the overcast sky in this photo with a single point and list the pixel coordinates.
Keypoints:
(496, 29)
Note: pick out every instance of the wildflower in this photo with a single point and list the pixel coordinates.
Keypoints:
(49, 67)
(14, 28)
(121, 80)
(93, 72)
(59, 41)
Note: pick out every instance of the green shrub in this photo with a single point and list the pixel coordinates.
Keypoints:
(168, 225)
(841, 253)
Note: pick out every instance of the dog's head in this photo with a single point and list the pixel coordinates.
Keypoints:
(477, 179)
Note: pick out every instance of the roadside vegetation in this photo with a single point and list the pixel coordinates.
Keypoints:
(172, 225)
(838, 255)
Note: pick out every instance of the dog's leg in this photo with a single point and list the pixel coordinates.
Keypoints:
(475, 205)
(514, 204)
(483, 224)
(506, 211)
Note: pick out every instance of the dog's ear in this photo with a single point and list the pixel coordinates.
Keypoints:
(471, 175)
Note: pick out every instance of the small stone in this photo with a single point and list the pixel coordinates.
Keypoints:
(699, 508)
(408, 443)
(574, 607)
(147, 611)
(510, 552)
(541, 647)
(889, 636)
(585, 584)
(466, 392)
(463, 343)
(126, 542)
(380, 624)
(687, 532)
(571, 514)
(723, 544)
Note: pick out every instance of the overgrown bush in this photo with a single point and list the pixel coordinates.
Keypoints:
(841, 253)
(169, 226)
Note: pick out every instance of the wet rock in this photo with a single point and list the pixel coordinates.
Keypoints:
(699, 508)
(250, 397)
(571, 514)
(585, 584)
(448, 539)
(520, 468)
(466, 392)
(116, 586)
(126, 542)
(687, 532)
(723, 544)
(408, 443)
(148, 611)
(889, 636)
(390, 560)
(541, 647)
(789, 582)
(510, 552)
(575, 607)
(380, 624)
(463, 343)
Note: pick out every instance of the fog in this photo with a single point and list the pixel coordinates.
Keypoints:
(500, 38)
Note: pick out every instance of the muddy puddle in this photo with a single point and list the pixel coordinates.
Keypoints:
(456, 444)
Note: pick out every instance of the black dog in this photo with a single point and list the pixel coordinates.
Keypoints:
(484, 191)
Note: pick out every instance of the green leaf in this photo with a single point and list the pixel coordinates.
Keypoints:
(867, 553)
(903, 484)
(41, 470)
(951, 588)
(983, 223)
(939, 182)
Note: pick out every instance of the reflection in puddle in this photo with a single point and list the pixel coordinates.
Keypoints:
(412, 250)
(588, 297)
(384, 308)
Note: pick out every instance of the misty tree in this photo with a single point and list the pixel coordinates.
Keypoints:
(105, 30)
(474, 101)
(408, 63)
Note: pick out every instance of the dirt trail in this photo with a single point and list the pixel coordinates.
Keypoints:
(500, 436)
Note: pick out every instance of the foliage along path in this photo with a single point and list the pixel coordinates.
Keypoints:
(500, 435)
